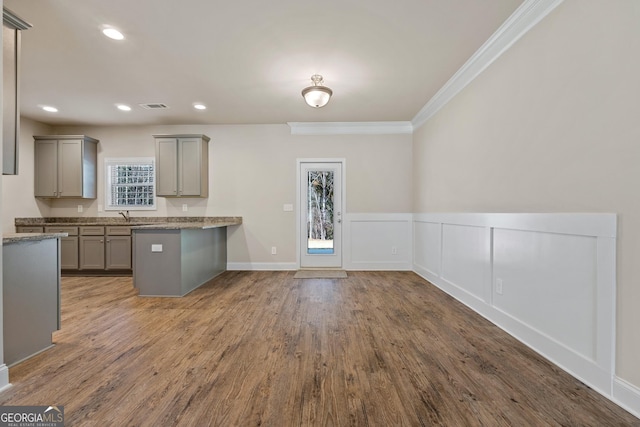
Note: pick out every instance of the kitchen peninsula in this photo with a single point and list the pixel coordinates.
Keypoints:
(30, 293)
(174, 258)
(169, 256)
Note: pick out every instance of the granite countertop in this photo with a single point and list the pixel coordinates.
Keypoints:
(193, 225)
(9, 238)
(171, 222)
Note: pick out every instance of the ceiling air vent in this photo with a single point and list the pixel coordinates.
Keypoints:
(155, 106)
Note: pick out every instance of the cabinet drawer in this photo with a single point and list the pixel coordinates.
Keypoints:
(30, 229)
(92, 231)
(118, 231)
(71, 231)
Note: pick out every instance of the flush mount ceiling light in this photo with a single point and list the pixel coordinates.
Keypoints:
(123, 107)
(49, 109)
(112, 33)
(199, 106)
(317, 95)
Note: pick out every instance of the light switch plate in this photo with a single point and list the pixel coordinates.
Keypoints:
(156, 248)
(185, 207)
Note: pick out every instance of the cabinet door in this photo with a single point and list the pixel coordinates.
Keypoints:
(91, 252)
(189, 167)
(167, 167)
(69, 253)
(118, 252)
(46, 165)
(70, 168)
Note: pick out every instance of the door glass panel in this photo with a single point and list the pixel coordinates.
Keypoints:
(320, 213)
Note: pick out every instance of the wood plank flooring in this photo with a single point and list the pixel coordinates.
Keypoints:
(265, 349)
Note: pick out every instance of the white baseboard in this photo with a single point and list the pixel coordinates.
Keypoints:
(4, 378)
(626, 396)
(261, 266)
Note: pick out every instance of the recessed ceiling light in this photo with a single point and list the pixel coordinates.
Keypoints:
(49, 109)
(199, 106)
(112, 33)
(123, 107)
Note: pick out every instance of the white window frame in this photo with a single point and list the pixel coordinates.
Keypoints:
(111, 161)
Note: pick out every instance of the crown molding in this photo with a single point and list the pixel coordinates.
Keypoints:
(13, 20)
(350, 128)
(519, 23)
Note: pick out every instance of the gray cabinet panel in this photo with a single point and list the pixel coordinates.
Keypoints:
(70, 168)
(46, 168)
(167, 167)
(189, 167)
(91, 252)
(68, 246)
(30, 229)
(118, 251)
(69, 253)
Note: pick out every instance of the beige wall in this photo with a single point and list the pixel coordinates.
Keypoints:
(252, 174)
(17, 190)
(552, 126)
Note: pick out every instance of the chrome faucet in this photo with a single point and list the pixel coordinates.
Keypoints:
(125, 215)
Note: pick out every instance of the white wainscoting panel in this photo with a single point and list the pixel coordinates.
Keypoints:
(549, 283)
(377, 242)
(547, 279)
(465, 258)
(428, 250)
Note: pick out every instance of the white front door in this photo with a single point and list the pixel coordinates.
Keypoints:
(320, 214)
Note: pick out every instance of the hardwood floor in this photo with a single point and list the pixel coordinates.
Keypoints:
(262, 348)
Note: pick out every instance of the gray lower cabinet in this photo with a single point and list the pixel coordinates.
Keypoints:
(68, 246)
(118, 253)
(105, 248)
(91, 252)
(91, 247)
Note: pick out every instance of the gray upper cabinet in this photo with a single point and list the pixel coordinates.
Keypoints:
(182, 165)
(65, 166)
(11, 27)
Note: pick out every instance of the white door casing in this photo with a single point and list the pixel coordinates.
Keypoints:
(323, 249)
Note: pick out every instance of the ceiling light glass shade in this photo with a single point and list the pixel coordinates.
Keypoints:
(49, 109)
(317, 95)
(112, 33)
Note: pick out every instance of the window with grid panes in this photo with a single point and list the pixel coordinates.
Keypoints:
(130, 184)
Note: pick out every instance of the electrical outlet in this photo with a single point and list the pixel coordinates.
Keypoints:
(274, 250)
(185, 207)
(287, 208)
(499, 286)
(80, 208)
(394, 250)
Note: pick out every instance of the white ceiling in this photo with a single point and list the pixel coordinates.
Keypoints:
(246, 60)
